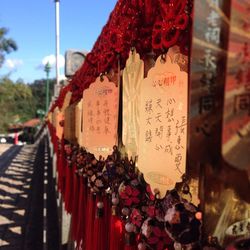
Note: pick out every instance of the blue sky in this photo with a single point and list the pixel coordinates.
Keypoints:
(31, 24)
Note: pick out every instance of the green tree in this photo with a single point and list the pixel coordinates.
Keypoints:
(7, 45)
(38, 88)
(16, 102)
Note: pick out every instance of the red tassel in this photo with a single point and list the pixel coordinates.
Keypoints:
(127, 247)
(107, 214)
(61, 160)
(90, 216)
(116, 231)
(130, 241)
(74, 217)
(68, 188)
(81, 215)
(99, 236)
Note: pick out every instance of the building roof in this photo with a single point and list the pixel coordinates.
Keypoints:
(31, 123)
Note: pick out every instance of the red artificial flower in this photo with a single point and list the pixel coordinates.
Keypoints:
(68, 149)
(136, 217)
(159, 238)
(150, 210)
(130, 195)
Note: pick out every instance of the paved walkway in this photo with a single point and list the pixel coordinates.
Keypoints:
(15, 185)
(28, 209)
(4, 147)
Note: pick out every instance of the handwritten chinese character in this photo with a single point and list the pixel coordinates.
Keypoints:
(148, 106)
(90, 112)
(242, 103)
(208, 78)
(148, 120)
(158, 103)
(178, 147)
(179, 139)
(213, 35)
(105, 104)
(98, 129)
(107, 120)
(158, 117)
(159, 132)
(177, 160)
(92, 128)
(170, 114)
(106, 112)
(180, 126)
(205, 129)
(210, 62)
(158, 147)
(168, 149)
(239, 76)
(171, 101)
(206, 103)
(106, 130)
(148, 135)
(168, 132)
(90, 120)
(212, 19)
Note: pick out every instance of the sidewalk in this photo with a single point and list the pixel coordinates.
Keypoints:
(22, 200)
(4, 147)
(14, 191)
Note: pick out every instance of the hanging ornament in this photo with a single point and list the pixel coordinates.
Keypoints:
(133, 74)
(100, 116)
(163, 125)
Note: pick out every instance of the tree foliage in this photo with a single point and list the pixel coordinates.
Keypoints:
(38, 88)
(19, 101)
(7, 45)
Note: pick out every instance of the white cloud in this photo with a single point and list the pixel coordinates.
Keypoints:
(13, 63)
(51, 59)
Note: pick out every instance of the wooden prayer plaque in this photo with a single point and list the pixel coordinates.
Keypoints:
(163, 125)
(59, 128)
(100, 117)
(133, 74)
(69, 123)
(66, 101)
(78, 122)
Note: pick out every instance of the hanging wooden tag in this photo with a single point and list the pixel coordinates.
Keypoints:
(78, 122)
(163, 125)
(54, 114)
(100, 117)
(133, 74)
(66, 101)
(59, 128)
(66, 124)
(236, 120)
(69, 123)
(50, 114)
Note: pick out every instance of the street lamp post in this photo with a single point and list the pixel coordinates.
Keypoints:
(57, 3)
(47, 69)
